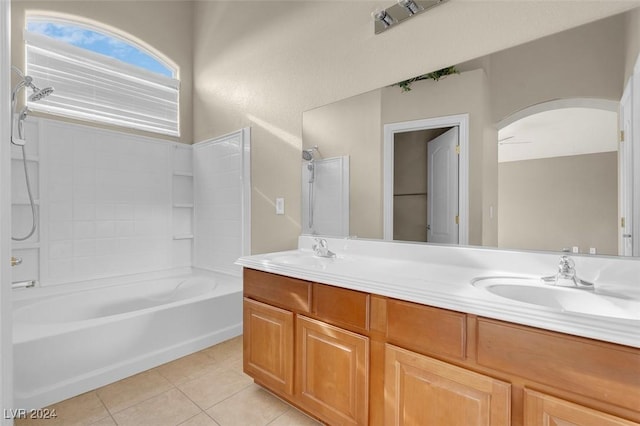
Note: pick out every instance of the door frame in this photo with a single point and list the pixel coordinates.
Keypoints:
(390, 130)
(635, 99)
(6, 321)
(625, 173)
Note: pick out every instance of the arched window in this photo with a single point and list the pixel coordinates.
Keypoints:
(99, 76)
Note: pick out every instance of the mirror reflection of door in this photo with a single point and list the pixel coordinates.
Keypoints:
(425, 182)
(442, 192)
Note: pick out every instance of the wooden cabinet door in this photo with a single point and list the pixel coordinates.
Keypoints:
(424, 391)
(545, 410)
(332, 372)
(268, 345)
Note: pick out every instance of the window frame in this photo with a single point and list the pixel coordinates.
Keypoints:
(124, 94)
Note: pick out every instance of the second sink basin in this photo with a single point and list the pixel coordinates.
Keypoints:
(534, 291)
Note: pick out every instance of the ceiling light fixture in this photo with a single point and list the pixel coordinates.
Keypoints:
(381, 15)
(400, 12)
(411, 6)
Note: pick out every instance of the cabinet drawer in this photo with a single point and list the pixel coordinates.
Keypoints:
(425, 329)
(339, 306)
(604, 371)
(278, 290)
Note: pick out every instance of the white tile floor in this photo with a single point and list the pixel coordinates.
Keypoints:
(205, 388)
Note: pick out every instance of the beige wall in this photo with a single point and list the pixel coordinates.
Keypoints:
(632, 38)
(164, 25)
(587, 61)
(554, 203)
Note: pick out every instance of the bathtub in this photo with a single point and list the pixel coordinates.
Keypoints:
(69, 342)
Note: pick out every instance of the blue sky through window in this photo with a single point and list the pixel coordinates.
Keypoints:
(99, 43)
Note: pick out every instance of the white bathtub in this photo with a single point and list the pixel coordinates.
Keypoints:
(66, 343)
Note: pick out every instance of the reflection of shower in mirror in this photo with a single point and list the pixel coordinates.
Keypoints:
(325, 194)
(308, 155)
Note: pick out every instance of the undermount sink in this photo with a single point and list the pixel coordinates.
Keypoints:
(536, 292)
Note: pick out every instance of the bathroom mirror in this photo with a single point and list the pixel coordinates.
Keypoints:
(510, 204)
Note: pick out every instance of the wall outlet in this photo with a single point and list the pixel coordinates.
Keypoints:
(592, 250)
(575, 249)
(279, 205)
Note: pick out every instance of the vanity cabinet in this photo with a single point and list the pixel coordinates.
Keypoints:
(307, 343)
(352, 358)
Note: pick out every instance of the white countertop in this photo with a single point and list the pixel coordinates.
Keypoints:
(441, 276)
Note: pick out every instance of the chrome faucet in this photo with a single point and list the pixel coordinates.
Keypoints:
(321, 248)
(566, 276)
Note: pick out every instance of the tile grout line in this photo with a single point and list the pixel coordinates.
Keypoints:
(105, 407)
(112, 413)
(202, 411)
(224, 399)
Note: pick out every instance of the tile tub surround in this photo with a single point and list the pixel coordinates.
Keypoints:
(204, 388)
(440, 276)
(111, 203)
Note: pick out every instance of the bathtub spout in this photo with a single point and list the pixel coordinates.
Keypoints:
(23, 284)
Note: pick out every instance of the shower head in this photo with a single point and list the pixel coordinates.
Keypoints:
(308, 154)
(39, 94)
(27, 81)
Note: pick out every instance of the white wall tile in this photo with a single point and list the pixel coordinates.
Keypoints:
(60, 211)
(125, 228)
(107, 203)
(61, 249)
(18, 182)
(124, 212)
(84, 211)
(105, 229)
(107, 199)
(182, 160)
(60, 270)
(60, 192)
(106, 246)
(218, 200)
(105, 211)
(84, 247)
(60, 230)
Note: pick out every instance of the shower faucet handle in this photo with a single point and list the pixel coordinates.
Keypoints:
(15, 261)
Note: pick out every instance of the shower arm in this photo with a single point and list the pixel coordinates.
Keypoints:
(25, 80)
(38, 94)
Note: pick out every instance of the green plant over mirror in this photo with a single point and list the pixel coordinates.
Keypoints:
(435, 75)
